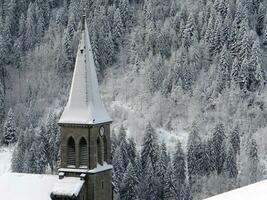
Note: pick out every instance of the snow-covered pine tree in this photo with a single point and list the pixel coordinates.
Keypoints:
(52, 131)
(161, 170)
(129, 184)
(148, 184)
(150, 147)
(253, 160)
(68, 42)
(10, 133)
(189, 33)
(233, 40)
(218, 147)
(235, 72)
(230, 165)
(223, 72)
(40, 28)
(40, 154)
(255, 71)
(235, 139)
(22, 33)
(245, 47)
(118, 168)
(244, 75)
(2, 102)
(194, 149)
(179, 169)
(132, 152)
(216, 43)
(118, 29)
(30, 36)
(19, 154)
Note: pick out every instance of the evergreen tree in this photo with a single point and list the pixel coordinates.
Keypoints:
(235, 71)
(118, 167)
(52, 132)
(68, 42)
(132, 152)
(253, 160)
(118, 30)
(40, 28)
(19, 154)
(10, 133)
(129, 184)
(149, 182)
(243, 75)
(150, 147)
(233, 40)
(2, 103)
(230, 165)
(179, 170)
(30, 36)
(194, 150)
(255, 72)
(223, 73)
(189, 33)
(235, 140)
(218, 147)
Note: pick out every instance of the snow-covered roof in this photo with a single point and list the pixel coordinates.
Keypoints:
(256, 191)
(67, 187)
(19, 186)
(99, 168)
(84, 104)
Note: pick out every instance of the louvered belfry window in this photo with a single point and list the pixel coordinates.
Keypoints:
(105, 148)
(71, 153)
(83, 153)
(99, 151)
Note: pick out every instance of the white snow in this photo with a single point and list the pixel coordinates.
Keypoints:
(18, 186)
(84, 105)
(5, 159)
(256, 191)
(99, 168)
(68, 186)
(172, 137)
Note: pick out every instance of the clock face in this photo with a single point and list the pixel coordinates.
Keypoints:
(102, 131)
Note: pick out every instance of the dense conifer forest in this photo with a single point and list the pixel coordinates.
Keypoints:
(183, 80)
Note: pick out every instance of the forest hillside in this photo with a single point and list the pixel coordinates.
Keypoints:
(183, 80)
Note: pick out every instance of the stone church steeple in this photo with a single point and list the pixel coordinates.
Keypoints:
(85, 129)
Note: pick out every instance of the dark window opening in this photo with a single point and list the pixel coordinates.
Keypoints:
(83, 153)
(71, 153)
(99, 151)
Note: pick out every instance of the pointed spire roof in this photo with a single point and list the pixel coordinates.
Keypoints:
(84, 105)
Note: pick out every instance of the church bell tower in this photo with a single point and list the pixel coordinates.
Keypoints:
(85, 128)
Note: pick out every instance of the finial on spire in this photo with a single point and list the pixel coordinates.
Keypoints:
(83, 22)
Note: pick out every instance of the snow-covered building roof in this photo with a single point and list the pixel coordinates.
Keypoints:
(256, 191)
(19, 186)
(67, 187)
(99, 168)
(84, 104)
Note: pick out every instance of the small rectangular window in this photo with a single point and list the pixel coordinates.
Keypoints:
(102, 185)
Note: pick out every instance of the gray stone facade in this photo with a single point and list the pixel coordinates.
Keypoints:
(98, 185)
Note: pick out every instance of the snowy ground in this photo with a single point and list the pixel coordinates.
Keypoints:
(5, 159)
(135, 122)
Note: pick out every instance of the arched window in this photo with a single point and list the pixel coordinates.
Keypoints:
(71, 153)
(83, 153)
(105, 149)
(99, 151)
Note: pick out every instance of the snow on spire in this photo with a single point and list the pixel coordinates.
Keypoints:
(84, 105)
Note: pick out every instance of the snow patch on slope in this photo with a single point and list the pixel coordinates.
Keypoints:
(5, 159)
